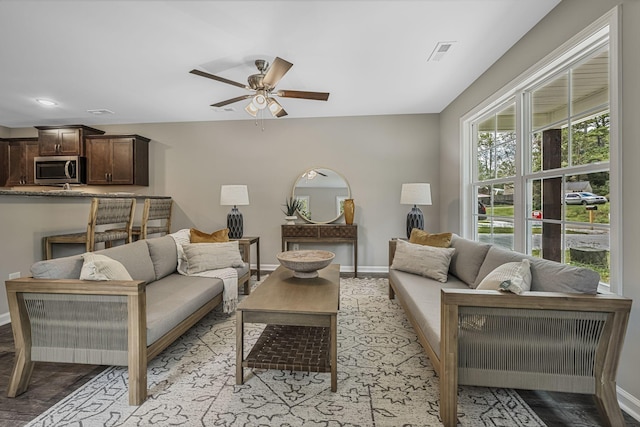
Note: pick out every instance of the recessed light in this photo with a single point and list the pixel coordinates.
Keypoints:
(46, 102)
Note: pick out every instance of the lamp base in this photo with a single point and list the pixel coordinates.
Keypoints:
(415, 219)
(234, 224)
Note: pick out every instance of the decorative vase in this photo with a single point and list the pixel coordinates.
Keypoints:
(349, 209)
(291, 219)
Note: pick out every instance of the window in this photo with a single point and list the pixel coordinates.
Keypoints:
(541, 159)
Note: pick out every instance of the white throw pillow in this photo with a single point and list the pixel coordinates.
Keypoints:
(211, 256)
(101, 267)
(427, 261)
(511, 276)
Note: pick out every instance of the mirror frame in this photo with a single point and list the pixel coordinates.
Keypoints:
(293, 194)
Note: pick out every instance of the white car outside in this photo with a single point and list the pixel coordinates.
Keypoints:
(584, 198)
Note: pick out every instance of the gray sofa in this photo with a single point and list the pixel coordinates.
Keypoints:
(559, 336)
(58, 318)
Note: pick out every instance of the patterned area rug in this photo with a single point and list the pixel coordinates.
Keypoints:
(384, 379)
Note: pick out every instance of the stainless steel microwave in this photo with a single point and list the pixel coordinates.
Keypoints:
(60, 170)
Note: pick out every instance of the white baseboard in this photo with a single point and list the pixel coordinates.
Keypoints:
(629, 403)
(5, 318)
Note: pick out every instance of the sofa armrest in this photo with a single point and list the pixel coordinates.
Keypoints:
(75, 286)
(523, 341)
(49, 309)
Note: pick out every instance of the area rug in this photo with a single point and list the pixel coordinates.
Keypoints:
(384, 379)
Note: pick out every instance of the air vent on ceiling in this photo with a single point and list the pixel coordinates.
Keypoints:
(441, 49)
(100, 112)
(223, 109)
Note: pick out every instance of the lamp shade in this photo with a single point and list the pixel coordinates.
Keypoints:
(234, 195)
(415, 194)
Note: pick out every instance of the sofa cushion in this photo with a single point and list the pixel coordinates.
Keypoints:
(135, 258)
(100, 267)
(164, 255)
(427, 261)
(512, 276)
(219, 236)
(467, 259)
(211, 256)
(58, 268)
(546, 275)
(421, 237)
(173, 298)
(422, 298)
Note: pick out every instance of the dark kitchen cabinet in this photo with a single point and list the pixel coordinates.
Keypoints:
(4, 162)
(64, 140)
(117, 160)
(20, 155)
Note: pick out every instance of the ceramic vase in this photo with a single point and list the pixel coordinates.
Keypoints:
(349, 209)
(291, 219)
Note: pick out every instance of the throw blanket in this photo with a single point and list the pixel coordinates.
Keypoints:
(229, 276)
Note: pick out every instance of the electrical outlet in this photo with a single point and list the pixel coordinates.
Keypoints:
(296, 247)
(15, 275)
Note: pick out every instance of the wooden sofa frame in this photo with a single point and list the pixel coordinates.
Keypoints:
(616, 310)
(138, 354)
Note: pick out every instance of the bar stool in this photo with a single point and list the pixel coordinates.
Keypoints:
(155, 209)
(102, 212)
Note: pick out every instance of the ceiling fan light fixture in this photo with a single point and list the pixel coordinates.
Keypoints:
(260, 100)
(251, 109)
(275, 107)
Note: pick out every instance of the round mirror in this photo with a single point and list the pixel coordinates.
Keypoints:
(322, 192)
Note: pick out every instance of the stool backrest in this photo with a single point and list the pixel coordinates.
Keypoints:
(156, 209)
(109, 211)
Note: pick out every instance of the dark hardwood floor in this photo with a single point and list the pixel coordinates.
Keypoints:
(51, 382)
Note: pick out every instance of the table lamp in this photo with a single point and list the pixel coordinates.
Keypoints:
(415, 194)
(234, 195)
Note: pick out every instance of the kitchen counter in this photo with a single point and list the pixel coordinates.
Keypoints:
(77, 193)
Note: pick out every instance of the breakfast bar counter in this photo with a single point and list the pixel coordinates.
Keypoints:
(77, 193)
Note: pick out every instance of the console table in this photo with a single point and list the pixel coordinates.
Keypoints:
(322, 233)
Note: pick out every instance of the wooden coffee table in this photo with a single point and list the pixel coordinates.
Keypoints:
(301, 318)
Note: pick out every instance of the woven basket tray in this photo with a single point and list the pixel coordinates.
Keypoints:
(295, 348)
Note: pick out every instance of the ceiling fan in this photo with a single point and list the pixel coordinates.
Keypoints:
(263, 87)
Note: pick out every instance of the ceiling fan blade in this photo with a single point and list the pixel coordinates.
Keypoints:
(276, 71)
(231, 101)
(318, 96)
(220, 79)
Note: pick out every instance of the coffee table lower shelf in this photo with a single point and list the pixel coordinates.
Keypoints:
(294, 348)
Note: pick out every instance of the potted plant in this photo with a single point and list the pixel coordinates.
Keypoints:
(291, 207)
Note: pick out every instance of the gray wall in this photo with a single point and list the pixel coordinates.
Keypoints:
(566, 20)
(189, 161)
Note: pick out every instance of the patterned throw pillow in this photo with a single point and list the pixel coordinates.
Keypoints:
(439, 240)
(427, 261)
(101, 267)
(512, 276)
(218, 236)
(211, 256)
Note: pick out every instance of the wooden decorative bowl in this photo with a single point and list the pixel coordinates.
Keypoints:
(305, 264)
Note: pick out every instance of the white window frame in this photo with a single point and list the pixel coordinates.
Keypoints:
(605, 27)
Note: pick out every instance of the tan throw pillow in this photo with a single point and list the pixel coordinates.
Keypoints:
(421, 237)
(512, 276)
(101, 267)
(211, 256)
(427, 261)
(219, 236)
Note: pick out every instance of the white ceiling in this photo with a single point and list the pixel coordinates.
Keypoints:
(134, 57)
